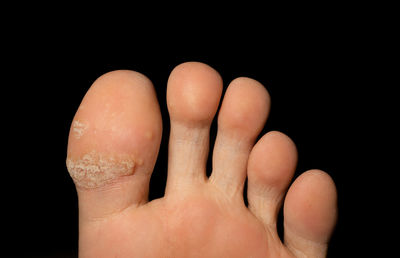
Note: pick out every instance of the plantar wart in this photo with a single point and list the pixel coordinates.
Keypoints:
(95, 170)
(78, 128)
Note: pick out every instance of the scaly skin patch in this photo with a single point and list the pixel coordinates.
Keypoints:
(78, 128)
(95, 170)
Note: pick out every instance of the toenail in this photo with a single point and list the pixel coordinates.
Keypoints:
(95, 170)
(79, 128)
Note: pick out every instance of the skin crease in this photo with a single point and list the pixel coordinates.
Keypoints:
(119, 121)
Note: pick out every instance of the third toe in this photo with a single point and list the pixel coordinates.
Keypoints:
(242, 116)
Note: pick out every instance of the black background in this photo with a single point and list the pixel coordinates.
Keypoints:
(314, 72)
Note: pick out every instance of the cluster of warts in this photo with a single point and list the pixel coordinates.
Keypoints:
(79, 128)
(95, 170)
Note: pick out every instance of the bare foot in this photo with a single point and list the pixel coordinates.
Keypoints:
(113, 146)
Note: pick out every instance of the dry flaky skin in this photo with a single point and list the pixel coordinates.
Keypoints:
(78, 128)
(95, 170)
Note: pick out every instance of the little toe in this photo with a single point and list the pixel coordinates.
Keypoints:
(310, 213)
(193, 94)
(113, 143)
(243, 114)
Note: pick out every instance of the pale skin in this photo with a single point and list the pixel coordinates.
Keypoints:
(113, 146)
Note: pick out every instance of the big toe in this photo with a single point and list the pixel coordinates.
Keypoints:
(113, 143)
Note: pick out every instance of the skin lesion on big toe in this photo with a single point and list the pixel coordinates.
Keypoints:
(113, 143)
(96, 170)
